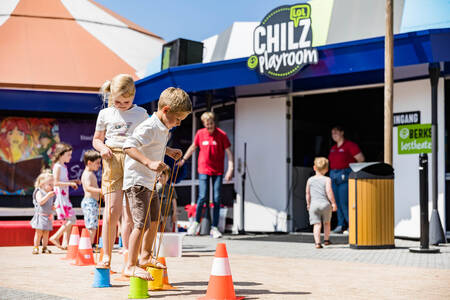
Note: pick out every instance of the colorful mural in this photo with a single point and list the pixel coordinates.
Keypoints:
(27, 145)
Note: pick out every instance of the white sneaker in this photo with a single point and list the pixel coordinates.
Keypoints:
(194, 228)
(215, 233)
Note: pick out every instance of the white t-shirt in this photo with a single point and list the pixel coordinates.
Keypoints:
(119, 124)
(150, 137)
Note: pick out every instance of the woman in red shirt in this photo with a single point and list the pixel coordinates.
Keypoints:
(341, 155)
(213, 143)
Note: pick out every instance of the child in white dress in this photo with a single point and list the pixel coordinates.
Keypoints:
(64, 209)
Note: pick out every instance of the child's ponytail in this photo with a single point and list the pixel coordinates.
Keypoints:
(120, 85)
(105, 92)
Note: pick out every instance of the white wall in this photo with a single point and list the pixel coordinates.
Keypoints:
(6, 8)
(261, 123)
(235, 42)
(413, 96)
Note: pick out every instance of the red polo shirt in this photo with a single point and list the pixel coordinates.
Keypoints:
(212, 151)
(341, 157)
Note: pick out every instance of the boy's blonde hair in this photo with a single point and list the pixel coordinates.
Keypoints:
(45, 174)
(321, 163)
(208, 116)
(175, 98)
(120, 85)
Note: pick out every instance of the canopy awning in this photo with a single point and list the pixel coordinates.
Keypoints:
(349, 63)
(35, 100)
(344, 64)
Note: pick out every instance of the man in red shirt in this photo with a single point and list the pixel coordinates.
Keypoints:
(213, 143)
(341, 155)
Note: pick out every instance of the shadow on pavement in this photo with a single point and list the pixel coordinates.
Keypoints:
(196, 255)
(239, 292)
(303, 237)
(242, 292)
(199, 283)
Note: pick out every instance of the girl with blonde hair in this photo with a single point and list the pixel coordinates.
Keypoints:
(320, 201)
(42, 222)
(114, 124)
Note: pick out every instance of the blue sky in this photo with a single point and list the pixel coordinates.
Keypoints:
(191, 19)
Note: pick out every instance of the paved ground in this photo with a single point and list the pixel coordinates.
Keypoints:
(263, 267)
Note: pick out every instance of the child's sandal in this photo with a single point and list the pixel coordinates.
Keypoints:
(318, 246)
(45, 250)
(327, 242)
(35, 250)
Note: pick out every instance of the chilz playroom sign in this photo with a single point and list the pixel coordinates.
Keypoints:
(282, 43)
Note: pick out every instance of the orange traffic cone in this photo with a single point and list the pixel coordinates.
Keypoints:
(220, 285)
(85, 257)
(72, 249)
(166, 284)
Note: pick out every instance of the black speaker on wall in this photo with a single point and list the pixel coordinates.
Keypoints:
(181, 52)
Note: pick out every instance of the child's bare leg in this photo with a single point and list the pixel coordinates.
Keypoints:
(66, 235)
(111, 215)
(149, 236)
(37, 237)
(326, 230)
(146, 259)
(317, 228)
(55, 237)
(119, 224)
(45, 238)
(131, 268)
(68, 230)
(127, 224)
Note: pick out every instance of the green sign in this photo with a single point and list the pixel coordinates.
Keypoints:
(414, 139)
(282, 43)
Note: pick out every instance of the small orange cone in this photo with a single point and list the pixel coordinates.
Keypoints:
(72, 249)
(166, 284)
(85, 257)
(220, 286)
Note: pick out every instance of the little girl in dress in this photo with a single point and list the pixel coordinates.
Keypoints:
(43, 198)
(64, 210)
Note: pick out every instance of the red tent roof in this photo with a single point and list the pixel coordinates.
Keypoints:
(43, 46)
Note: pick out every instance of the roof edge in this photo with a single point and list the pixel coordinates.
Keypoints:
(46, 87)
(130, 24)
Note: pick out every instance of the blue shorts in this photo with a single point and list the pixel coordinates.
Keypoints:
(90, 211)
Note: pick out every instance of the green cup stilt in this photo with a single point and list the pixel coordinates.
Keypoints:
(138, 288)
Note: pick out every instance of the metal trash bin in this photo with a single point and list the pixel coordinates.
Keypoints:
(371, 205)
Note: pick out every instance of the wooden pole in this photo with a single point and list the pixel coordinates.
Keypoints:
(388, 82)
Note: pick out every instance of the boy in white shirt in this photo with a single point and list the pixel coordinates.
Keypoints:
(144, 161)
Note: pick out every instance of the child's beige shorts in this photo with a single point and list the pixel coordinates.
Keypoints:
(139, 199)
(112, 177)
